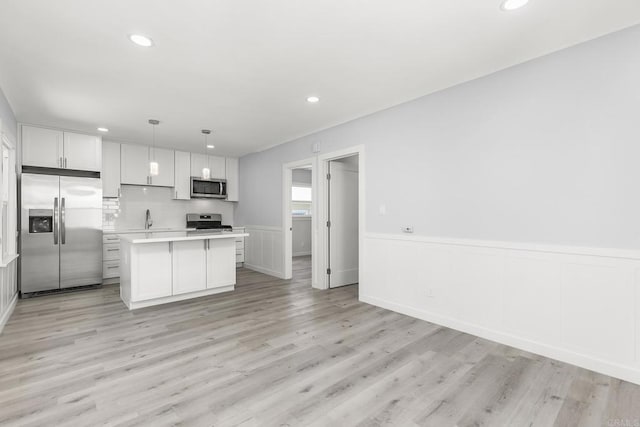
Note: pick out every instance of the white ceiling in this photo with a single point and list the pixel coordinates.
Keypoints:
(245, 67)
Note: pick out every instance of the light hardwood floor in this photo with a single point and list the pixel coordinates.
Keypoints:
(277, 352)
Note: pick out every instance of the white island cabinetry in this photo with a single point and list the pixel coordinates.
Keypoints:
(162, 267)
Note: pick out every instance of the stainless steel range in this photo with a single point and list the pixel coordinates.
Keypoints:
(207, 222)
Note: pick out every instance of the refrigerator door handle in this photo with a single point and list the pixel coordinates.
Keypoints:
(62, 224)
(55, 220)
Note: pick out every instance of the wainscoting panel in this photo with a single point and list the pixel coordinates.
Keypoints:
(8, 291)
(578, 305)
(263, 250)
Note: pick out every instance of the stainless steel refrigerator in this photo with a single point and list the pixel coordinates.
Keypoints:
(61, 232)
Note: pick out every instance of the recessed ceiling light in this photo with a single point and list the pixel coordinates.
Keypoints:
(508, 5)
(103, 129)
(210, 146)
(313, 99)
(141, 40)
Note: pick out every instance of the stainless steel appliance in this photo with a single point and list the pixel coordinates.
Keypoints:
(207, 222)
(61, 232)
(208, 188)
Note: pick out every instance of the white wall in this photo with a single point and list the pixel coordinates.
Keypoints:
(8, 279)
(521, 188)
(542, 152)
(165, 212)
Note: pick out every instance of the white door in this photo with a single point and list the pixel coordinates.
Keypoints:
(42, 147)
(182, 178)
(198, 161)
(189, 266)
(343, 219)
(221, 263)
(110, 169)
(165, 159)
(134, 164)
(82, 152)
(218, 167)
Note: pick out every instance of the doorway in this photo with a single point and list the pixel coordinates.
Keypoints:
(301, 220)
(342, 221)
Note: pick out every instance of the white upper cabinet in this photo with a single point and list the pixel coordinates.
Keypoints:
(217, 165)
(42, 147)
(198, 161)
(82, 152)
(164, 157)
(134, 165)
(50, 148)
(182, 170)
(110, 169)
(232, 179)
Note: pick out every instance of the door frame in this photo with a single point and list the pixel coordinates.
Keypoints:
(323, 210)
(319, 213)
(287, 222)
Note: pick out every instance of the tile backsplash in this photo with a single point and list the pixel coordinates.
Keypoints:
(128, 211)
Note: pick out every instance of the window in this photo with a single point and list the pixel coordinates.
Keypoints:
(301, 199)
(301, 194)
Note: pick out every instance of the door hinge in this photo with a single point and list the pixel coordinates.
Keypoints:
(328, 271)
(329, 224)
(329, 177)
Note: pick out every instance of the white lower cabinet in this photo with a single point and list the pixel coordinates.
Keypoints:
(221, 262)
(189, 266)
(151, 268)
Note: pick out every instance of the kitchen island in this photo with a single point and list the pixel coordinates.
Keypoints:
(162, 267)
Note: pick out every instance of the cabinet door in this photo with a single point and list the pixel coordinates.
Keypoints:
(218, 167)
(110, 169)
(42, 147)
(182, 183)
(82, 152)
(221, 263)
(232, 179)
(165, 177)
(198, 161)
(134, 164)
(189, 266)
(151, 271)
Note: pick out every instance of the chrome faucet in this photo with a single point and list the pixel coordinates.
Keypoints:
(148, 222)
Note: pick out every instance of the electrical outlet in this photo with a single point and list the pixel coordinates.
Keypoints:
(407, 229)
(430, 293)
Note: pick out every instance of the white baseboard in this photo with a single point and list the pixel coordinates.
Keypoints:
(307, 253)
(263, 270)
(578, 359)
(9, 310)
(132, 305)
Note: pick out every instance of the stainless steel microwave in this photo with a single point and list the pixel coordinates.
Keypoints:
(208, 188)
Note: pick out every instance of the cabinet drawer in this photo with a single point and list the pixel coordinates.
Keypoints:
(110, 251)
(240, 257)
(110, 269)
(240, 243)
(110, 238)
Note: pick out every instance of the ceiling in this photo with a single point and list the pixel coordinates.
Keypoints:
(244, 68)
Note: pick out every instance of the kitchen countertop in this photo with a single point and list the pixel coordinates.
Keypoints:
(177, 236)
(153, 230)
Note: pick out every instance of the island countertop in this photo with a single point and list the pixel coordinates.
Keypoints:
(177, 236)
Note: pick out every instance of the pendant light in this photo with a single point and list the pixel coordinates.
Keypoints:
(154, 169)
(206, 172)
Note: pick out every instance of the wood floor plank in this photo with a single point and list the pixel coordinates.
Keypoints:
(276, 352)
